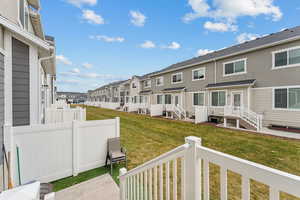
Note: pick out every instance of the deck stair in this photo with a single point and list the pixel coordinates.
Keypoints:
(247, 118)
(180, 112)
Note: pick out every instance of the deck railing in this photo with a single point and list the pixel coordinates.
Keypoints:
(180, 173)
(246, 114)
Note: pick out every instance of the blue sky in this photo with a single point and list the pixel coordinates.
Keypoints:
(99, 41)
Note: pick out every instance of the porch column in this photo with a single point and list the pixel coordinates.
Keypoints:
(225, 122)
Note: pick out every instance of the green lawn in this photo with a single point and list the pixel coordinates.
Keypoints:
(146, 138)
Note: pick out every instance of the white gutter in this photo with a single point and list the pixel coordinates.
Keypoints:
(229, 55)
(32, 38)
(48, 57)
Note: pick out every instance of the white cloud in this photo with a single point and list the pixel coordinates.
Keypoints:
(71, 81)
(148, 44)
(137, 18)
(246, 37)
(202, 52)
(107, 38)
(75, 71)
(219, 27)
(91, 17)
(63, 59)
(79, 3)
(228, 11)
(87, 65)
(173, 45)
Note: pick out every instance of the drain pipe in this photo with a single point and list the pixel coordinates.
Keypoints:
(215, 71)
(40, 65)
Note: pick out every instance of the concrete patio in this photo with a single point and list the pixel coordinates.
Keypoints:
(102, 187)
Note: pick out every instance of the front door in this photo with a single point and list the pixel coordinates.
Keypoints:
(176, 100)
(237, 100)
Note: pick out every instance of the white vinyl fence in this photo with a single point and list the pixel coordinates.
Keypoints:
(64, 115)
(156, 110)
(201, 114)
(54, 151)
(158, 178)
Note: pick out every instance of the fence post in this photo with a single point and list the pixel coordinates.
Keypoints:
(117, 126)
(192, 180)
(122, 184)
(75, 147)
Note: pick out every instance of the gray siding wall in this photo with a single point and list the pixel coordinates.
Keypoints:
(20, 83)
(1, 104)
(259, 67)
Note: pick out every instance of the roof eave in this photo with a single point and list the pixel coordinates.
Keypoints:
(37, 24)
(229, 55)
(28, 36)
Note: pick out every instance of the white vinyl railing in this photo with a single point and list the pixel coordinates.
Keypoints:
(249, 116)
(180, 111)
(64, 115)
(159, 178)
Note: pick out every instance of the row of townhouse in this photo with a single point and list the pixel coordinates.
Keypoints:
(253, 84)
(27, 66)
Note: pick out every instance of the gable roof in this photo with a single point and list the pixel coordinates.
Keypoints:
(259, 43)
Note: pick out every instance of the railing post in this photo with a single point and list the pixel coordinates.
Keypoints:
(192, 180)
(117, 126)
(122, 184)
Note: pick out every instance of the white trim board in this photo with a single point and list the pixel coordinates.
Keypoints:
(32, 38)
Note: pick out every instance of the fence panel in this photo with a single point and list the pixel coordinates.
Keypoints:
(54, 151)
(45, 152)
(156, 110)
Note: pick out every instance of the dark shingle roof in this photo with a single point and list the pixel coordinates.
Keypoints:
(231, 83)
(173, 89)
(145, 91)
(246, 46)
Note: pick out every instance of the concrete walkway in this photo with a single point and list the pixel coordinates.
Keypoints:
(100, 188)
(268, 131)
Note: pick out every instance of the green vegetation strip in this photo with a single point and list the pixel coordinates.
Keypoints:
(146, 138)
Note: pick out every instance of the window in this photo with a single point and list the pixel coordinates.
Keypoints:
(286, 58)
(234, 68)
(168, 99)
(159, 99)
(198, 74)
(147, 83)
(177, 78)
(23, 14)
(133, 85)
(218, 98)
(135, 99)
(287, 98)
(198, 99)
(159, 81)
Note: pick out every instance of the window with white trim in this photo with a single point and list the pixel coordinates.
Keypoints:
(198, 99)
(147, 83)
(234, 68)
(24, 13)
(159, 81)
(177, 78)
(159, 99)
(133, 85)
(218, 98)
(287, 98)
(168, 99)
(286, 58)
(198, 74)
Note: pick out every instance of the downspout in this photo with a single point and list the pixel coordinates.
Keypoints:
(215, 71)
(40, 65)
